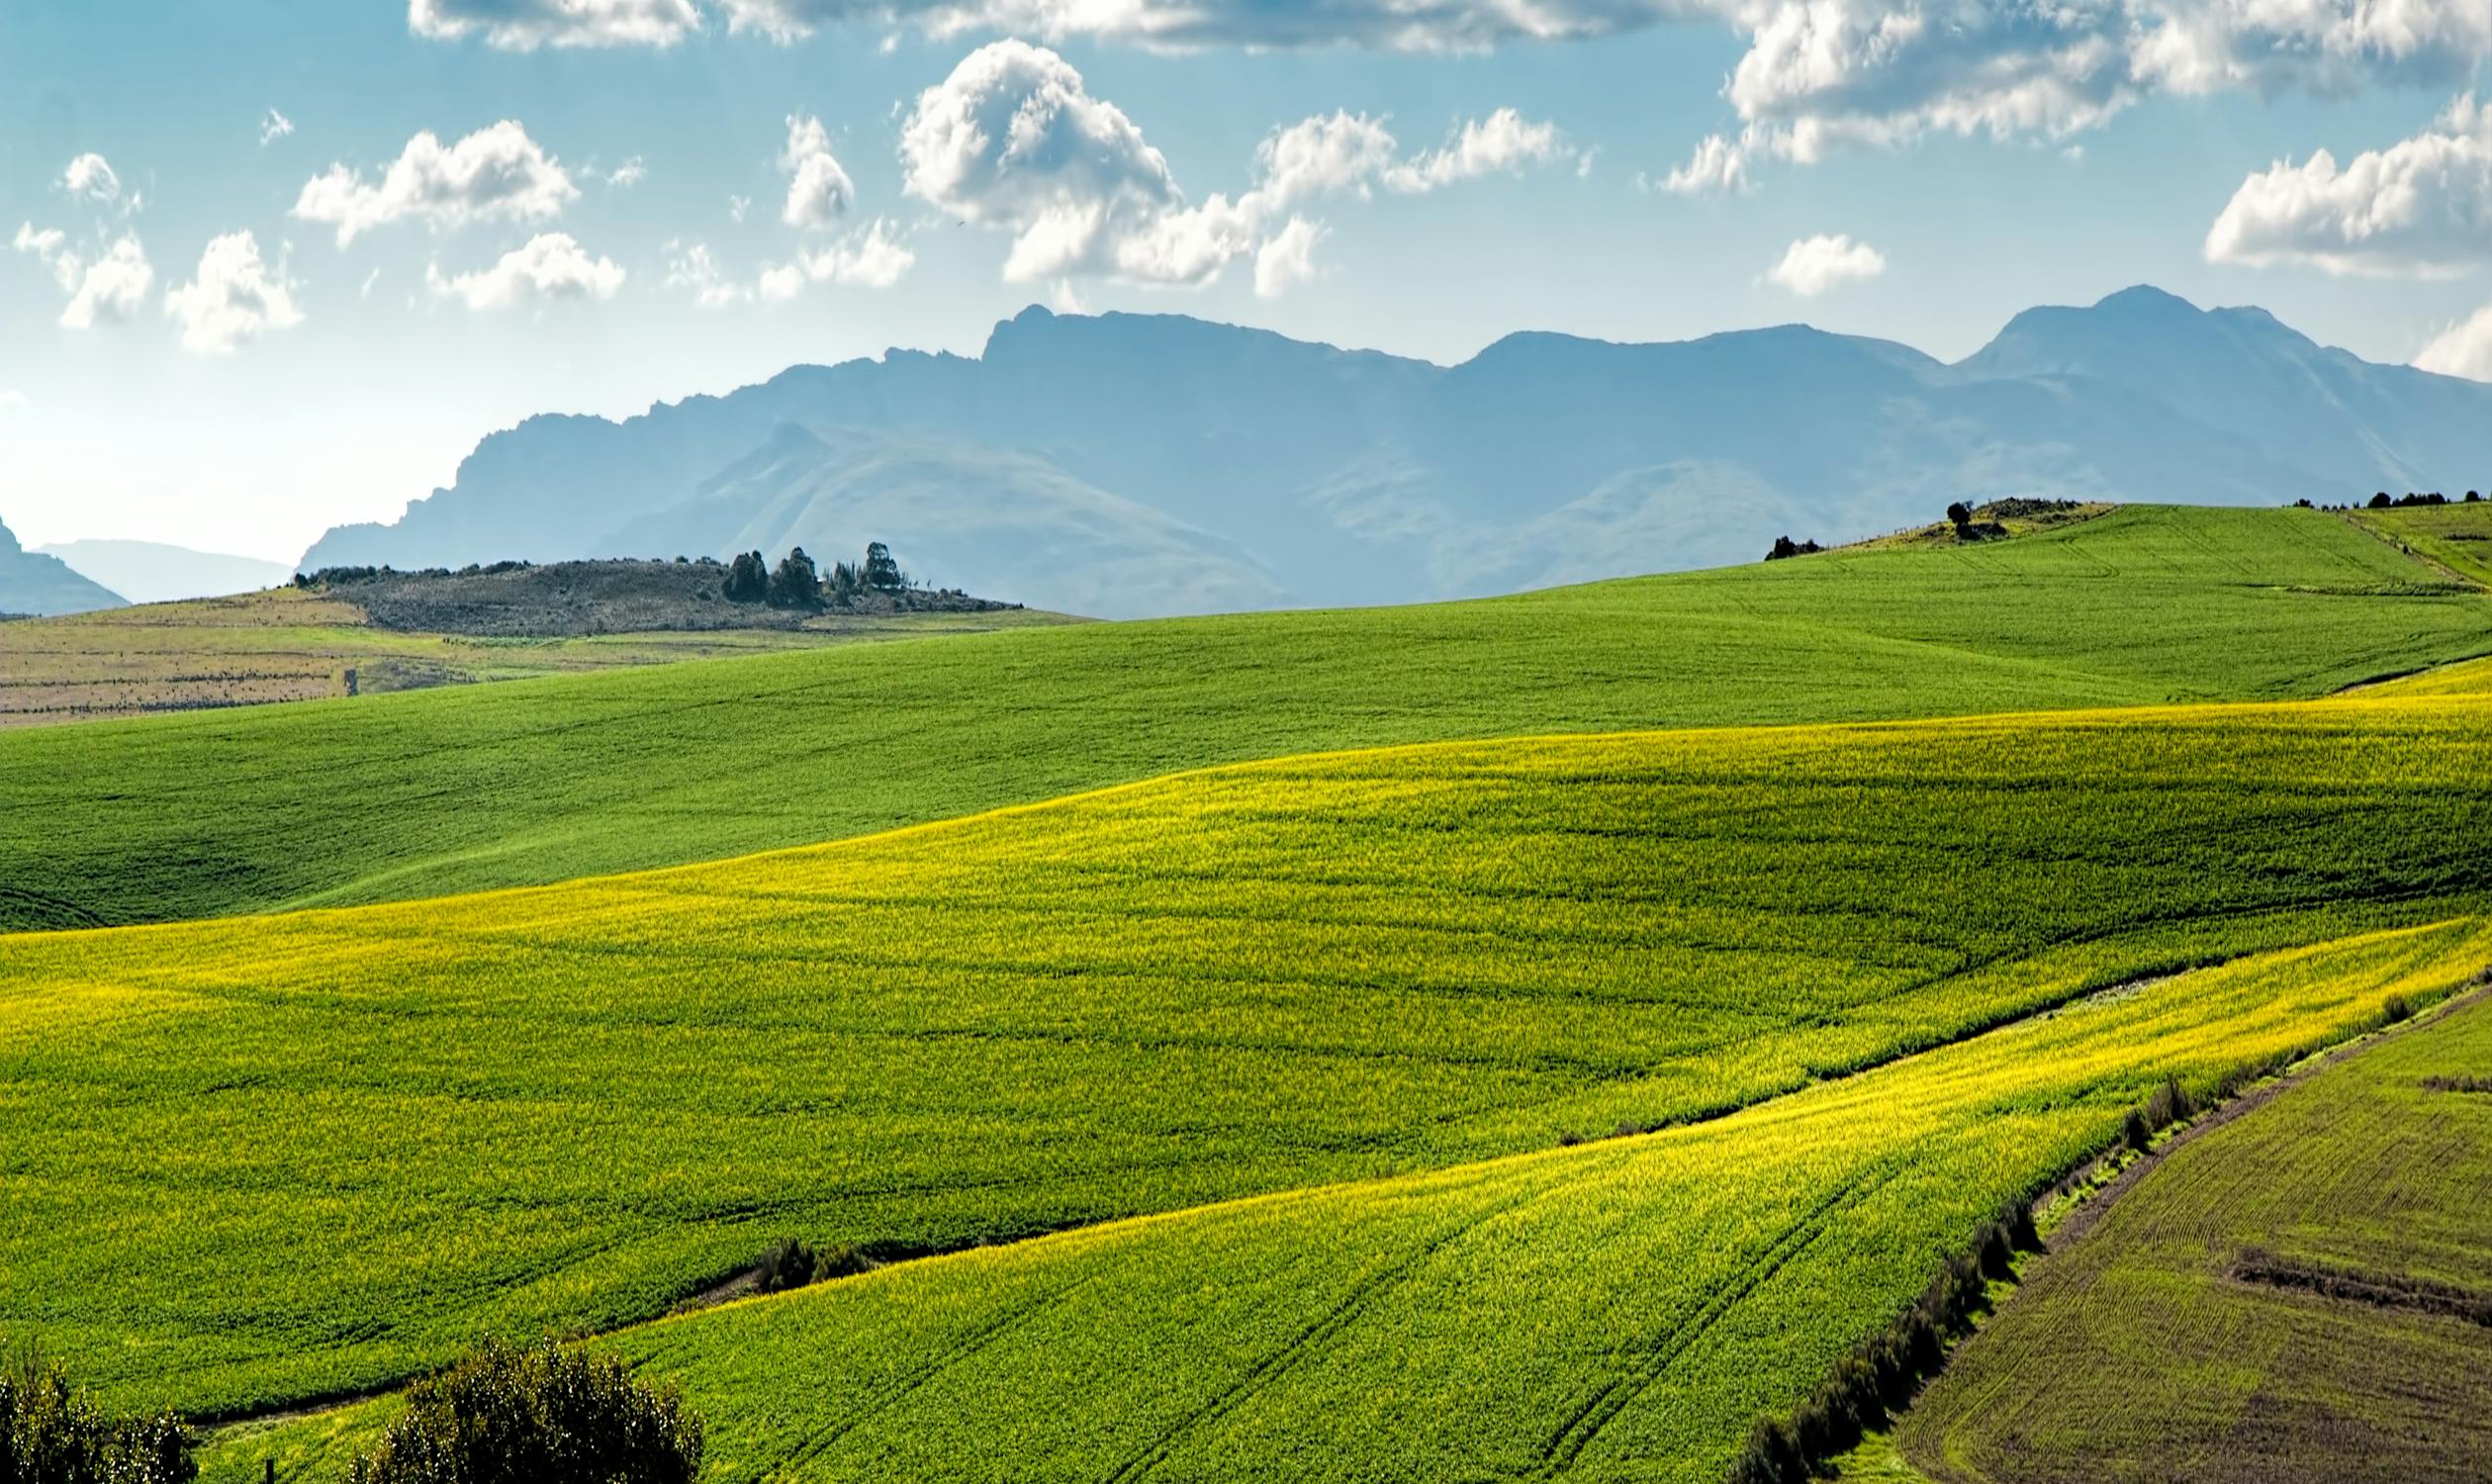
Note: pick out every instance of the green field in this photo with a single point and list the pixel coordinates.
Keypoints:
(400, 796)
(2456, 536)
(2142, 1351)
(1614, 1311)
(381, 1128)
(287, 644)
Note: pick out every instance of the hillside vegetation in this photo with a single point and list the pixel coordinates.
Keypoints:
(1614, 1310)
(286, 644)
(2302, 1294)
(386, 1128)
(399, 796)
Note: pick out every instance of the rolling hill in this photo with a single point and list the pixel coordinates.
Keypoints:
(32, 583)
(578, 1104)
(349, 802)
(2300, 1294)
(1126, 465)
(153, 572)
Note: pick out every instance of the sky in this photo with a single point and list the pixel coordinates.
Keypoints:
(273, 265)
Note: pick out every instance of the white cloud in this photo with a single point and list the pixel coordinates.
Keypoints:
(233, 300)
(495, 174)
(2462, 349)
(274, 125)
(629, 173)
(737, 206)
(2421, 206)
(1501, 143)
(90, 177)
(1813, 265)
(1717, 167)
(1014, 141)
(550, 266)
(525, 25)
(819, 192)
(1287, 259)
(870, 259)
(107, 289)
(693, 267)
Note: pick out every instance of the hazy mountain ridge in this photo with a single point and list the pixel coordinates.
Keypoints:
(153, 572)
(1125, 464)
(32, 583)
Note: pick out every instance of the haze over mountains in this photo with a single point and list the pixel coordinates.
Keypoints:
(32, 583)
(152, 571)
(1126, 465)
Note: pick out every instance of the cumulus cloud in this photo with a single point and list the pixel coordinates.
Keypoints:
(90, 177)
(870, 259)
(494, 174)
(1813, 265)
(1717, 167)
(550, 266)
(2421, 206)
(274, 125)
(106, 289)
(819, 192)
(2462, 349)
(1287, 259)
(1014, 141)
(525, 25)
(234, 299)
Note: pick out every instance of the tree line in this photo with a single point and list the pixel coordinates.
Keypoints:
(796, 582)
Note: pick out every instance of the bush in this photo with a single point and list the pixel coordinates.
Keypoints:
(53, 1433)
(2396, 1010)
(748, 579)
(2136, 1132)
(535, 1414)
(796, 585)
(1772, 1457)
(789, 1263)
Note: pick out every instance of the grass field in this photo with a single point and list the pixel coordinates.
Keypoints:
(400, 796)
(286, 644)
(343, 1141)
(2163, 1346)
(1614, 1310)
(2457, 536)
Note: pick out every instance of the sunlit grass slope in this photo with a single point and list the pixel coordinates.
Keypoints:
(406, 796)
(1615, 1311)
(258, 1159)
(2139, 1354)
(2457, 536)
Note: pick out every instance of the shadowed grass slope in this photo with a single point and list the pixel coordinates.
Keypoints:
(1617, 1310)
(400, 797)
(341, 1142)
(2285, 1299)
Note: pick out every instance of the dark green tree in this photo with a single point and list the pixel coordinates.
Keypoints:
(796, 585)
(1960, 514)
(882, 574)
(748, 579)
(539, 1414)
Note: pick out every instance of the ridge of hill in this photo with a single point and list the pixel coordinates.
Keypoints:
(32, 584)
(197, 815)
(1127, 465)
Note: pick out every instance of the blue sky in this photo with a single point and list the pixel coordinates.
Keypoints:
(1918, 170)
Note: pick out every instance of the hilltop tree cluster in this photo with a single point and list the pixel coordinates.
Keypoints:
(2383, 500)
(796, 582)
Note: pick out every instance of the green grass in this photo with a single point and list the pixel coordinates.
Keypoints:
(2135, 1355)
(1614, 1311)
(341, 1142)
(286, 644)
(2457, 536)
(400, 796)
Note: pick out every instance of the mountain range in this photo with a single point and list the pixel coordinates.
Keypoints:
(32, 583)
(1123, 465)
(153, 572)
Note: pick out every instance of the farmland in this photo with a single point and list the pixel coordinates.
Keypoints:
(388, 1125)
(348, 802)
(287, 644)
(2189, 1335)
(1614, 1311)
(2456, 536)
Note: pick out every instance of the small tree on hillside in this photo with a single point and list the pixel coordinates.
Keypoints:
(748, 579)
(796, 585)
(1959, 516)
(882, 574)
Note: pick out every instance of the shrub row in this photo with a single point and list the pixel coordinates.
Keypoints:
(1883, 1372)
(537, 1414)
